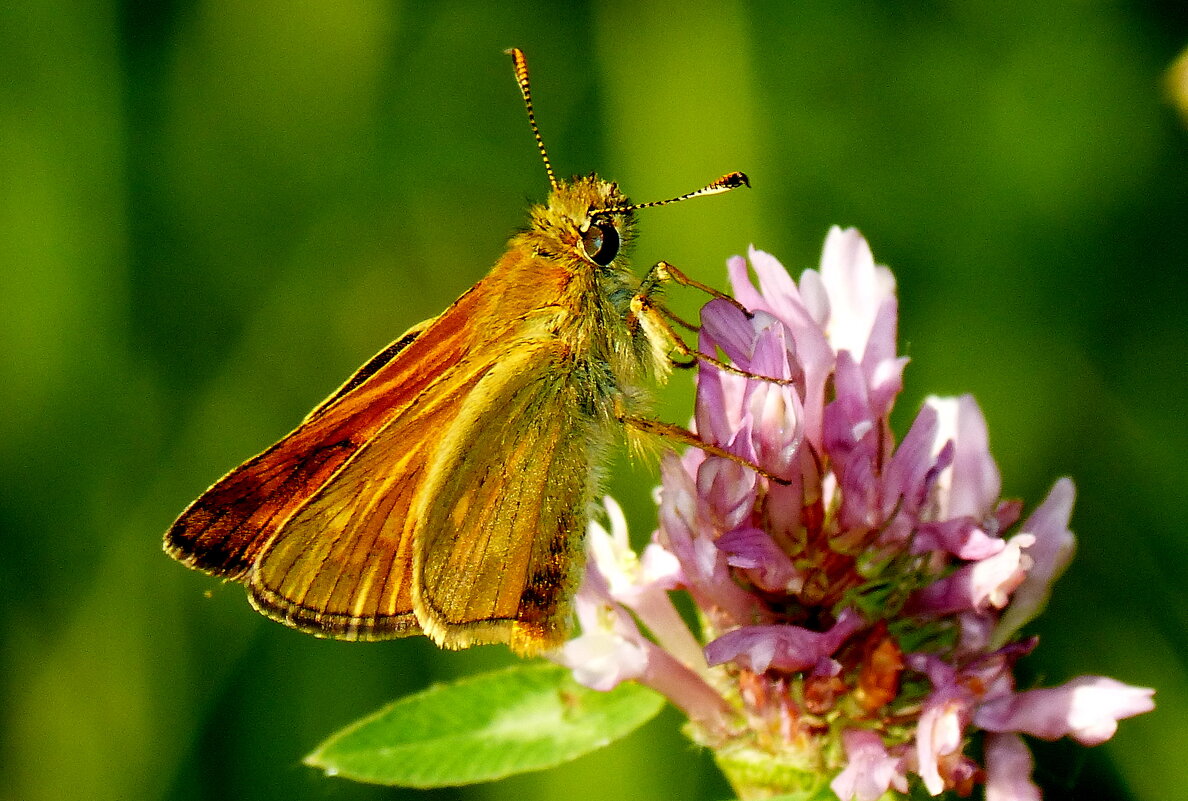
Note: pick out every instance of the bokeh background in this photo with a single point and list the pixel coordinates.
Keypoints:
(212, 212)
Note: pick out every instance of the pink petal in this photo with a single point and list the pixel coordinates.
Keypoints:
(938, 734)
(1087, 709)
(753, 550)
(909, 466)
(1008, 769)
(848, 417)
(718, 413)
(773, 354)
(780, 294)
(610, 649)
(857, 288)
(601, 660)
(683, 532)
(869, 770)
(783, 647)
(1050, 555)
(978, 586)
(726, 326)
(960, 536)
(777, 425)
(815, 297)
(972, 485)
(740, 281)
(813, 350)
(884, 372)
(727, 492)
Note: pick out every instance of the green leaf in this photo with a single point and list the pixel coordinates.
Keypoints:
(528, 717)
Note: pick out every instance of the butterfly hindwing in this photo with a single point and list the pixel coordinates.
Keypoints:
(500, 518)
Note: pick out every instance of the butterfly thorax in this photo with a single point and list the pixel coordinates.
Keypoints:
(554, 282)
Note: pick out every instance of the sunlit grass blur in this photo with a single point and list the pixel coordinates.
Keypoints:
(211, 212)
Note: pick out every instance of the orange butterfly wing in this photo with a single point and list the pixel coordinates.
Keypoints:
(226, 529)
(500, 518)
(341, 563)
(463, 508)
(445, 485)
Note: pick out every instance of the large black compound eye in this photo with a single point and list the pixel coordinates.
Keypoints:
(600, 242)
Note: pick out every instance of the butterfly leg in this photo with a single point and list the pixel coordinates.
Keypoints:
(684, 436)
(653, 285)
(662, 273)
(653, 318)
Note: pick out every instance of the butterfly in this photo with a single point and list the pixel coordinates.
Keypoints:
(444, 488)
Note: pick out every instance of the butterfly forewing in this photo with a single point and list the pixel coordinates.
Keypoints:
(341, 564)
(227, 527)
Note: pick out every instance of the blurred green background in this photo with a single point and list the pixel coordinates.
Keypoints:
(212, 212)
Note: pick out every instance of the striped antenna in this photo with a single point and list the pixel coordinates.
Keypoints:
(520, 65)
(724, 184)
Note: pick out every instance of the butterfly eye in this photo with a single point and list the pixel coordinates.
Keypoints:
(600, 242)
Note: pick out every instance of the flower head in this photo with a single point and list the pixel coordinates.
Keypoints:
(860, 598)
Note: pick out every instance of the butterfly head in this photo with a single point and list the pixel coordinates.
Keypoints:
(587, 218)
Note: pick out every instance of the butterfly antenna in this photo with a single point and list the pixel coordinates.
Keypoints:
(724, 184)
(521, 67)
